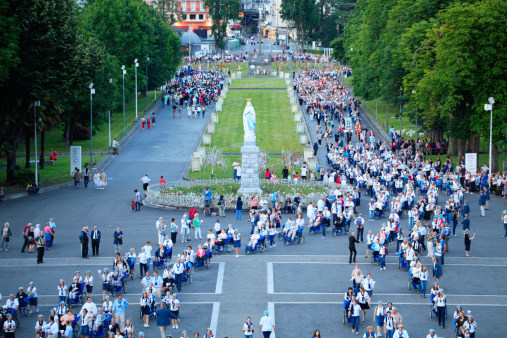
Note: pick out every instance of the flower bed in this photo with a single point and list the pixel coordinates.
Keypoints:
(183, 194)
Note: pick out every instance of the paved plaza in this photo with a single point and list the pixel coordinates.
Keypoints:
(302, 286)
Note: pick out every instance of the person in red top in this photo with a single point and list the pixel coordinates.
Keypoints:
(162, 180)
(26, 230)
(268, 174)
(192, 213)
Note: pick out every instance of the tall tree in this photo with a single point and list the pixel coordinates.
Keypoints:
(9, 37)
(302, 13)
(221, 11)
(47, 43)
(170, 10)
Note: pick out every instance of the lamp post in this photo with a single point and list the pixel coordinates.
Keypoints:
(400, 110)
(92, 91)
(189, 52)
(109, 118)
(376, 103)
(35, 105)
(414, 92)
(135, 70)
(147, 60)
(490, 108)
(124, 71)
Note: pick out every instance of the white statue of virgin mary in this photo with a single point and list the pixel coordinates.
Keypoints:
(249, 120)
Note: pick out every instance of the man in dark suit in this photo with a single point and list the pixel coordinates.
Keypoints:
(118, 240)
(95, 241)
(84, 238)
(437, 270)
(352, 247)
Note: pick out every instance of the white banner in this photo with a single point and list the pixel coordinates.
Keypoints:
(75, 158)
(348, 123)
(471, 162)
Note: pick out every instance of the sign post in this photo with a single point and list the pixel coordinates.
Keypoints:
(75, 158)
(471, 163)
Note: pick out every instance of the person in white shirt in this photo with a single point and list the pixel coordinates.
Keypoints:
(389, 324)
(148, 249)
(147, 279)
(32, 290)
(51, 328)
(185, 231)
(174, 307)
(90, 307)
(157, 284)
(161, 228)
(9, 327)
(400, 333)
(107, 306)
(253, 239)
(368, 284)
(439, 301)
(354, 313)
(267, 325)
(145, 181)
(432, 334)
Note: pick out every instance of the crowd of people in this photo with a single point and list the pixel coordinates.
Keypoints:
(418, 201)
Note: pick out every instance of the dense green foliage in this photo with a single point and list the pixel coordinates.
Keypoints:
(51, 50)
(450, 53)
(221, 11)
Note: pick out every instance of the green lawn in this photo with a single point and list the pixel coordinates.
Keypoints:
(56, 142)
(275, 128)
(255, 83)
(275, 165)
(57, 172)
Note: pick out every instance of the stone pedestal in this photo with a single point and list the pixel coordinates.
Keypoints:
(196, 164)
(250, 168)
(303, 140)
(297, 117)
(294, 108)
(233, 76)
(287, 82)
(206, 139)
(312, 163)
(214, 117)
(281, 75)
(308, 152)
(201, 150)
(218, 106)
(301, 127)
(238, 75)
(211, 128)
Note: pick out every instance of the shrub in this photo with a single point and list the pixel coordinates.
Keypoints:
(314, 51)
(25, 175)
(82, 133)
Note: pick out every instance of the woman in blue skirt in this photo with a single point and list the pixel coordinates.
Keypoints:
(378, 316)
(237, 241)
(85, 322)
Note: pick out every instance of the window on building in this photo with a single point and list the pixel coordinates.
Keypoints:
(192, 16)
(192, 6)
(201, 17)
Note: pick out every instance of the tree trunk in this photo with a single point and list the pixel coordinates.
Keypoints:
(452, 147)
(27, 150)
(494, 159)
(461, 149)
(67, 132)
(474, 143)
(42, 140)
